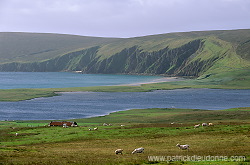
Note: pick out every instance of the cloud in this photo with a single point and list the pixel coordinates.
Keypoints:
(122, 18)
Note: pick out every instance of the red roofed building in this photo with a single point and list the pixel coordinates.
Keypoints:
(63, 123)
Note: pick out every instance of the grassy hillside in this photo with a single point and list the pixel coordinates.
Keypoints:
(31, 47)
(157, 130)
(176, 54)
(174, 40)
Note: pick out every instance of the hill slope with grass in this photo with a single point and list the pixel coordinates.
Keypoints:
(34, 47)
(198, 54)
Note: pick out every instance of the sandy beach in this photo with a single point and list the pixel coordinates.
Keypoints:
(164, 79)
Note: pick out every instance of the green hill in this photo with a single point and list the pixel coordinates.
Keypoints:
(199, 54)
(34, 47)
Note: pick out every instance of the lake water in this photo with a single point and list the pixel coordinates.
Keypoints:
(88, 104)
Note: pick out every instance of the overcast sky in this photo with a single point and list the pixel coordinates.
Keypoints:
(122, 18)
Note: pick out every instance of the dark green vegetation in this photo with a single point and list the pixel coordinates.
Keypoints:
(23, 94)
(148, 128)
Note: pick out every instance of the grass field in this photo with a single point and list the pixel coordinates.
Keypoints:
(157, 130)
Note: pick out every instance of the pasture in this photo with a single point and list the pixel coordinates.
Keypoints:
(157, 130)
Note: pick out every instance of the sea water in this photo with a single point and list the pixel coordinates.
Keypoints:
(13, 80)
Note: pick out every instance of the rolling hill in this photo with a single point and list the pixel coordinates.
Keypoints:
(199, 54)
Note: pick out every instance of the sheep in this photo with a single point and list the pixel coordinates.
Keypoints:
(96, 128)
(105, 124)
(210, 124)
(183, 147)
(118, 151)
(16, 134)
(197, 126)
(138, 150)
(90, 129)
(122, 125)
(204, 124)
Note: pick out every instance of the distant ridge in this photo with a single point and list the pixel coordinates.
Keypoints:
(198, 53)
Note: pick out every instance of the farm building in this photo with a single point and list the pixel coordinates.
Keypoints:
(63, 123)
